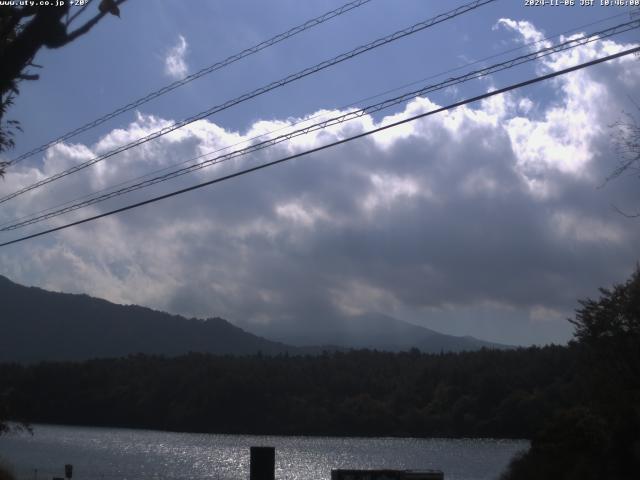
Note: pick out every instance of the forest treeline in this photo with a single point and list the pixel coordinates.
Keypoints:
(488, 393)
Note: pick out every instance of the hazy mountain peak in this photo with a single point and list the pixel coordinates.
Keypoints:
(368, 330)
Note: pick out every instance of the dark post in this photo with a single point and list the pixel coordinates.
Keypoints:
(68, 470)
(263, 463)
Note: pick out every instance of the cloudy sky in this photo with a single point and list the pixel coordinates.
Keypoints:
(488, 220)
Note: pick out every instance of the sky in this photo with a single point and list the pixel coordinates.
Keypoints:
(489, 220)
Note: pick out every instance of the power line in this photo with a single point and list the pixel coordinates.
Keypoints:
(504, 52)
(344, 107)
(189, 78)
(570, 44)
(329, 145)
(417, 27)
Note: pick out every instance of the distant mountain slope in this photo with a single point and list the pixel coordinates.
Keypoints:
(373, 331)
(36, 325)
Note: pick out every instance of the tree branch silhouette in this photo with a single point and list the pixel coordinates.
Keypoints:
(23, 32)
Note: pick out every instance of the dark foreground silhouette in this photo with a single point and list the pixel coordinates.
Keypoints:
(597, 437)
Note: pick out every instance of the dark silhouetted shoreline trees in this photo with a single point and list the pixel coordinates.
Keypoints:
(488, 393)
(597, 437)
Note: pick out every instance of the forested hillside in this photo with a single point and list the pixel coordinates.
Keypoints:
(40, 325)
(488, 393)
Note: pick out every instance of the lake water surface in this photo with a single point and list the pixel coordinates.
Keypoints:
(110, 454)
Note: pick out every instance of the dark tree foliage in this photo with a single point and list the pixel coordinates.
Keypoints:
(5, 472)
(598, 437)
(24, 30)
(489, 393)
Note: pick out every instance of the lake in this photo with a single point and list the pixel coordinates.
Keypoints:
(110, 453)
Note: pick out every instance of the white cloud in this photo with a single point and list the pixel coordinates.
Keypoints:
(481, 209)
(175, 65)
(528, 32)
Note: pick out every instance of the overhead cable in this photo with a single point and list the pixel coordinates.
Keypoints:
(570, 44)
(189, 78)
(317, 116)
(417, 27)
(329, 145)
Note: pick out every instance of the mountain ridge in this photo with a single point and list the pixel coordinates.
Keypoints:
(375, 331)
(40, 325)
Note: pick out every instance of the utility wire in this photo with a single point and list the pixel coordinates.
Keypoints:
(372, 97)
(189, 78)
(330, 145)
(417, 27)
(570, 44)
